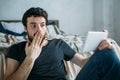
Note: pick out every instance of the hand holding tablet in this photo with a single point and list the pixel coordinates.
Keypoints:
(92, 40)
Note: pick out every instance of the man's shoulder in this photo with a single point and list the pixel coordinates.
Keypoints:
(19, 44)
(56, 40)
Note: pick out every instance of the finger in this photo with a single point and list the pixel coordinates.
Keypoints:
(102, 42)
(35, 39)
(105, 44)
(102, 45)
(110, 46)
(41, 40)
(27, 44)
(44, 43)
(106, 31)
(38, 39)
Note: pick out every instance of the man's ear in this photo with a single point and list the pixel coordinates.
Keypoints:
(25, 28)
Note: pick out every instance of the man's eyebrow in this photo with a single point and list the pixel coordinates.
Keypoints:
(36, 23)
(32, 23)
(42, 23)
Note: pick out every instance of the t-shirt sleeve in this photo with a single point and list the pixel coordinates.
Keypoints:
(67, 50)
(13, 52)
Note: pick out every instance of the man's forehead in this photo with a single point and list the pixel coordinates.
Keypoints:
(36, 20)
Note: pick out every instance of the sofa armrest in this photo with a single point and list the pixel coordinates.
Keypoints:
(2, 65)
(116, 47)
(3, 52)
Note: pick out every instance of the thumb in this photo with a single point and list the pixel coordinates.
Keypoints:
(27, 44)
(43, 43)
(106, 31)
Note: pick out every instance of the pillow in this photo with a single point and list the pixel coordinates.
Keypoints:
(14, 28)
(17, 29)
(51, 29)
(1, 27)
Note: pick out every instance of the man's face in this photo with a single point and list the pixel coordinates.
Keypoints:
(34, 25)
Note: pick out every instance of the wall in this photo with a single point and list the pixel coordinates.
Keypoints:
(103, 16)
(116, 20)
(75, 16)
(107, 16)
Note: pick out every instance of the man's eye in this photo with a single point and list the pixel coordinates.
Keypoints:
(43, 25)
(33, 25)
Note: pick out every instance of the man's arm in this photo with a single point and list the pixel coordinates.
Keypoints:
(79, 60)
(16, 72)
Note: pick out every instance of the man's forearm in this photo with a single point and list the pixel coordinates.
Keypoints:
(79, 60)
(85, 60)
(23, 71)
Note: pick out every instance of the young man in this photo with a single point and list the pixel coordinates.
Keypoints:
(41, 59)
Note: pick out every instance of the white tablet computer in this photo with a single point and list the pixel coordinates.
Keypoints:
(92, 40)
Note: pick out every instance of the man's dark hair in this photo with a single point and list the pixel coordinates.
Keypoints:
(36, 12)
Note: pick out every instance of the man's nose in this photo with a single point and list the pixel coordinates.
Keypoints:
(39, 28)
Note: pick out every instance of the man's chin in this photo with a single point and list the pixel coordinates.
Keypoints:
(30, 40)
